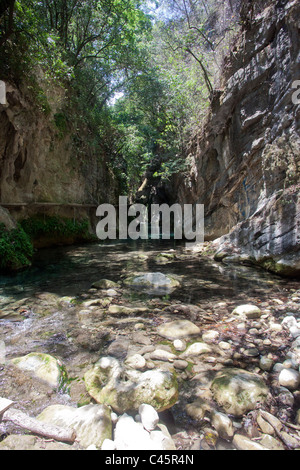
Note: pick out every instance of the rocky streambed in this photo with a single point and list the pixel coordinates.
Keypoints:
(150, 347)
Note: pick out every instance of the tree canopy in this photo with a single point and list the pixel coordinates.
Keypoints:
(162, 59)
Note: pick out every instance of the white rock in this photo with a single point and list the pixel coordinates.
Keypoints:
(295, 331)
(162, 355)
(248, 311)
(196, 349)
(149, 417)
(130, 435)
(108, 444)
(179, 345)
(210, 336)
(275, 327)
(224, 345)
(289, 378)
(92, 447)
(136, 361)
(289, 322)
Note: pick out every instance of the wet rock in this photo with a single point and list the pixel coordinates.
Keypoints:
(119, 348)
(109, 383)
(238, 391)
(92, 423)
(178, 329)
(162, 355)
(44, 367)
(10, 315)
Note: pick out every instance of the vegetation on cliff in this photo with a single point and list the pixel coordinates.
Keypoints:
(162, 62)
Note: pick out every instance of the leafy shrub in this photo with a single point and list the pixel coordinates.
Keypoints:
(39, 226)
(16, 249)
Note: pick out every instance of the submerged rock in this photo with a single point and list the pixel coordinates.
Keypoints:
(126, 389)
(238, 391)
(154, 283)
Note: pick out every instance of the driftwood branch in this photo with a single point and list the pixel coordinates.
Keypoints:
(37, 427)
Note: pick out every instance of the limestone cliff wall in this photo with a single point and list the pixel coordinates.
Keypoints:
(41, 164)
(246, 161)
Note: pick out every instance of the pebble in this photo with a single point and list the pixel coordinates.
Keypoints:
(196, 349)
(266, 363)
(162, 355)
(210, 336)
(180, 364)
(224, 345)
(136, 362)
(179, 345)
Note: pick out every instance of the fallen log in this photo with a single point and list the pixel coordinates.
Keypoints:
(4, 406)
(37, 427)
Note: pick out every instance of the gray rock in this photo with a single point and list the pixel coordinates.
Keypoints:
(223, 425)
(178, 329)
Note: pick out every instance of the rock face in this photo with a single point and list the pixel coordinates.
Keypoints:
(39, 162)
(245, 165)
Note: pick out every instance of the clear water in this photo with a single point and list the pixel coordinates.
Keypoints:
(70, 271)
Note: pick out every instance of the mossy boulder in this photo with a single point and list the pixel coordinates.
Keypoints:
(44, 367)
(238, 391)
(126, 389)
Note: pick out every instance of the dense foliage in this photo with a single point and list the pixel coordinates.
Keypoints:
(16, 249)
(161, 59)
(42, 226)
